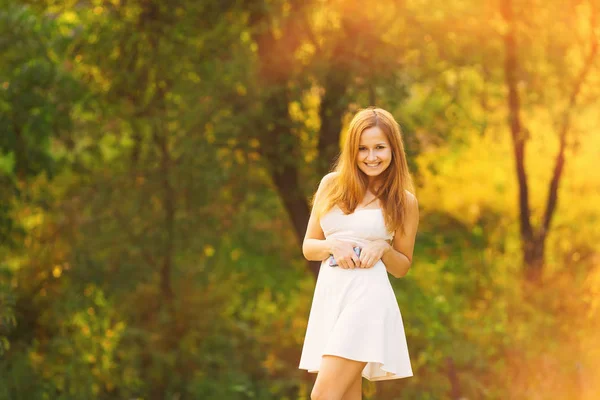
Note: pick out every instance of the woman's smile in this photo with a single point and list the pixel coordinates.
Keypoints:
(374, 152)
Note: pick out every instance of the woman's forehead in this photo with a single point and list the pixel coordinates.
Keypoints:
(373, 135)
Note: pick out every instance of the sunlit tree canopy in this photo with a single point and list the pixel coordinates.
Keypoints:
(158, 161)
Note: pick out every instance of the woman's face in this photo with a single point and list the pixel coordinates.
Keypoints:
(374, 152)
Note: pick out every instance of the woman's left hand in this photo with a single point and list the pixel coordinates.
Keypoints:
(373, 252)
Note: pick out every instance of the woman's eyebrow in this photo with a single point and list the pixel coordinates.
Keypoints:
(378, 144)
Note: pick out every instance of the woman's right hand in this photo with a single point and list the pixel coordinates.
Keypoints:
(344, 254)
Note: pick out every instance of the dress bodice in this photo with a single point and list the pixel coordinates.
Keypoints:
(362, 226)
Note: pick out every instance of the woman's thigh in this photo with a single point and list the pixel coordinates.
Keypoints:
(354, 392)
(336, 375)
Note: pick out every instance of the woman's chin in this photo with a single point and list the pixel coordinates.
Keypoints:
(372, 173)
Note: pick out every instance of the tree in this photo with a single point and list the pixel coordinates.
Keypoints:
(37, 97)
(534, 239)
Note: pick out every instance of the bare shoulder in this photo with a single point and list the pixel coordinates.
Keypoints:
(324, 186)
(412, 204)
(327, 180)
(411, 199)
(330, 177)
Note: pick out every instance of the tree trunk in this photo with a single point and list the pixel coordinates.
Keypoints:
(519, 139)
(280, 147)
(455, 392)
(166, 267)
(533, 256)
(333, 106)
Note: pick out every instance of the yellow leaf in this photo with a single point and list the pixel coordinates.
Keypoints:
(209, 251)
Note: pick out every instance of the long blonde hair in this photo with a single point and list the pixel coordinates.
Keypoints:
(349, 184)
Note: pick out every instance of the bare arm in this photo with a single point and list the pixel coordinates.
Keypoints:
(316, 248)
(398, 257)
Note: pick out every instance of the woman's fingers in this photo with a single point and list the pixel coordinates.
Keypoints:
(351, 263)
(367, 262)
(363, 261)
(367, 259)
(348, 259)
(346, 263)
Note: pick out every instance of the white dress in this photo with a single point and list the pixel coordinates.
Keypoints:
(354, 312)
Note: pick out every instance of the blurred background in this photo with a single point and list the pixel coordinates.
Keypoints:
(156, 165)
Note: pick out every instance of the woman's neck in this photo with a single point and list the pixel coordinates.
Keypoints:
(373, 185)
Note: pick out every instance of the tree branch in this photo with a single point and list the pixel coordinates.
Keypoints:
(566, 124)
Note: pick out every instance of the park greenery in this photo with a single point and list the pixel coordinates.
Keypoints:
(157, 162)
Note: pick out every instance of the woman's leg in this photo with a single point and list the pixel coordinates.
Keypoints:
(354, 392)
(336, 376)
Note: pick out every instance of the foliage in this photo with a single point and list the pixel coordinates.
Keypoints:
(156, 163)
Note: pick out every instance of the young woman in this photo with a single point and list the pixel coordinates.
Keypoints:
(364, 207)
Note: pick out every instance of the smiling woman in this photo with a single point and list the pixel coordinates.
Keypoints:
(374, 152)
(372, 165)
(355, 328)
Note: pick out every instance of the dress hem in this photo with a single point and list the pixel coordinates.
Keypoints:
(372, 379)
